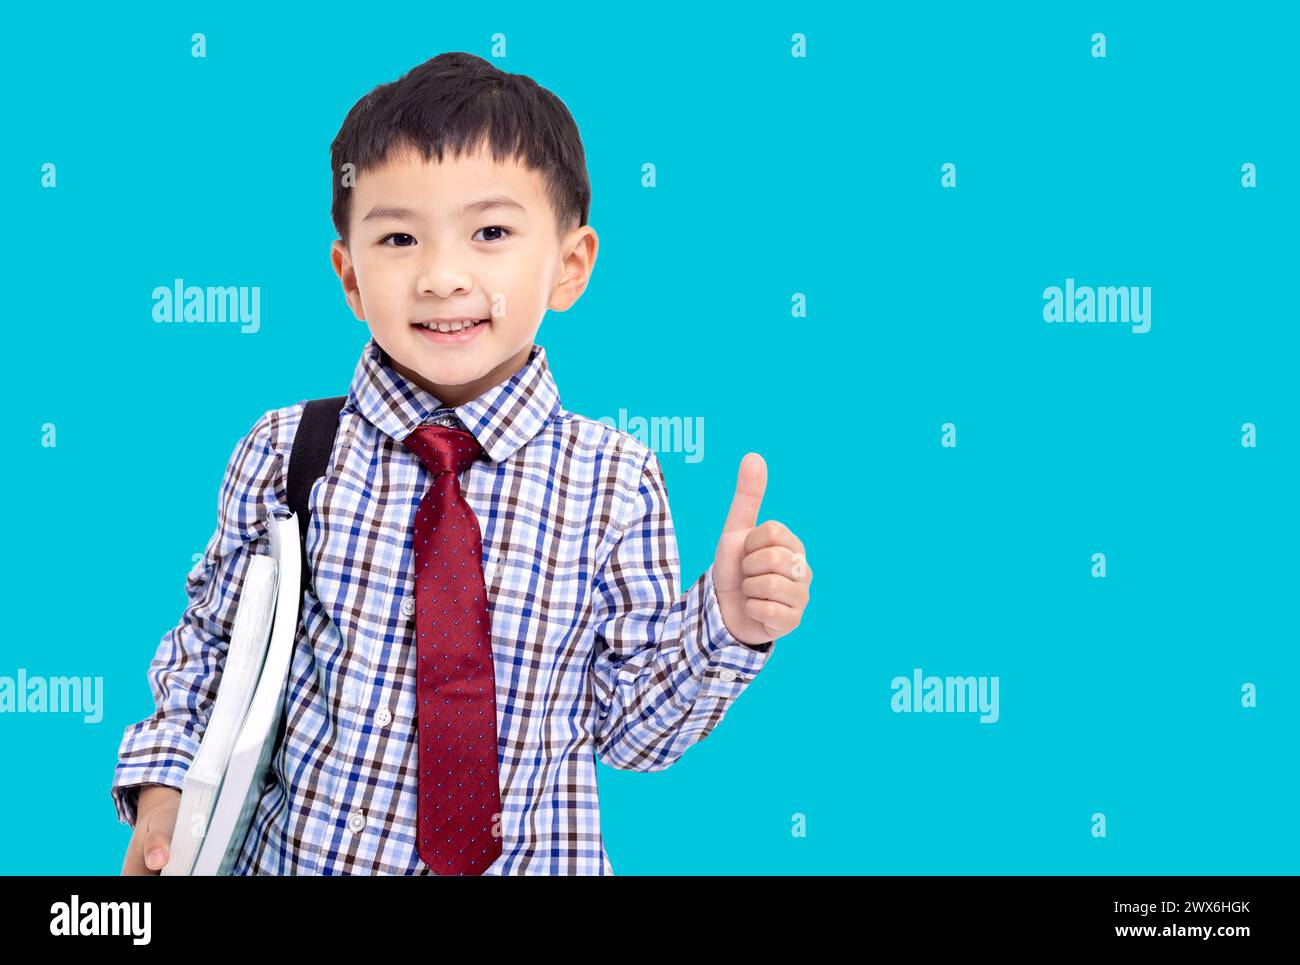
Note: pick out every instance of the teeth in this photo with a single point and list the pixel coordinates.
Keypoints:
(448, 326)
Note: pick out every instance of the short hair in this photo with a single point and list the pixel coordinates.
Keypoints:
(457, 102)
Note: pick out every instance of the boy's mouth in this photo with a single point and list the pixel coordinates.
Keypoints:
(451, 324)
(451, 331)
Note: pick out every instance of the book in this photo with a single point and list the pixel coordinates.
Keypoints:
(225, 781)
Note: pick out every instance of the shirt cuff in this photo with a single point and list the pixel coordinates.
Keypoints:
(149, 757)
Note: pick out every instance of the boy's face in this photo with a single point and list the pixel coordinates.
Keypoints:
(421, 248)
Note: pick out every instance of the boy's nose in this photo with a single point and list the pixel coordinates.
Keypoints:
(444, 282)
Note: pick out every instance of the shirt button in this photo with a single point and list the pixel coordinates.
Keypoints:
(408, 606)
(384, 717)
(728, 675)
(356, 822)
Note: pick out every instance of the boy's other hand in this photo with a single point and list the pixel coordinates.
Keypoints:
(759, 571)
(155, 819)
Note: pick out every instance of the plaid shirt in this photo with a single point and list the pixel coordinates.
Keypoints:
(597, 653)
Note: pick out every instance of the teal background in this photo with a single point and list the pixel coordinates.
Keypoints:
(776, 175)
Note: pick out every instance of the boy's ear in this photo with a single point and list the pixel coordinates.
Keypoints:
(577, 259)
(341, 261)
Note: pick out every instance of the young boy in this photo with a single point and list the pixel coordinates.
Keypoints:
(494, 601)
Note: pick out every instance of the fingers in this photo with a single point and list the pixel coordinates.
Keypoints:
(781, 560)
(776, 583)
(144, 844)
(772, 533)
(776, 588)
(157, 850)
(152, 840)
(777, 618)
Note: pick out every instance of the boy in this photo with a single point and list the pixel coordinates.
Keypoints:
(493, 601)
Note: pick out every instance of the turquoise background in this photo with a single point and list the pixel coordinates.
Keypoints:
(776, 175)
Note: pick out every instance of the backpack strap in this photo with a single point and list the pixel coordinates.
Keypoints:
(308, 460)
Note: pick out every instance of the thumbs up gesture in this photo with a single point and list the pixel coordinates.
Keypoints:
(760, 573)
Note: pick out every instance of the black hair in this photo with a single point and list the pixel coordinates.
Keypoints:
(457, 102)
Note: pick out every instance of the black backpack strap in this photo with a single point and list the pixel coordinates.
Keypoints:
(308, 461)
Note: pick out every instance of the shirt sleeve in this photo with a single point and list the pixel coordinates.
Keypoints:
(186, 668)
(665, 668)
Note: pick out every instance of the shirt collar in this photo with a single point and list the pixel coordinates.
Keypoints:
(502, 419)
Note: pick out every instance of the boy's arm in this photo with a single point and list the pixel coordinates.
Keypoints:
(666, 669)
(186, 669)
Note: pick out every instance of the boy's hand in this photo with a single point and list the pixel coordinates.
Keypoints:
(759, 572)
(155, 819)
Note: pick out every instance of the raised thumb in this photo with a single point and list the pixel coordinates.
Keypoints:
(750, 485)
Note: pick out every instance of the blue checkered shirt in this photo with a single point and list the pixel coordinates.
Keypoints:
(598, 656)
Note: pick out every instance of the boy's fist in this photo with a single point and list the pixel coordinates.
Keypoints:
(759, 571)
(155, 819)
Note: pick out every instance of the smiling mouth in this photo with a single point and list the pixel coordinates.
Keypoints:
(464, 335)
(451, 327)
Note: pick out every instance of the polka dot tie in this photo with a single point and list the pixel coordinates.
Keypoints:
(460, 798)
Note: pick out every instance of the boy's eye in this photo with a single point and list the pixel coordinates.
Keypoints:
(398, 234)
(507, 231)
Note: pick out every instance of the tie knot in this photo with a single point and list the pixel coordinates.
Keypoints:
(443, 449)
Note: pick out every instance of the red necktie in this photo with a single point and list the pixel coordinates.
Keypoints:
(460, 798)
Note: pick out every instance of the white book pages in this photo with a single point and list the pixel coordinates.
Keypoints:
(250, 759)
(242, 667)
